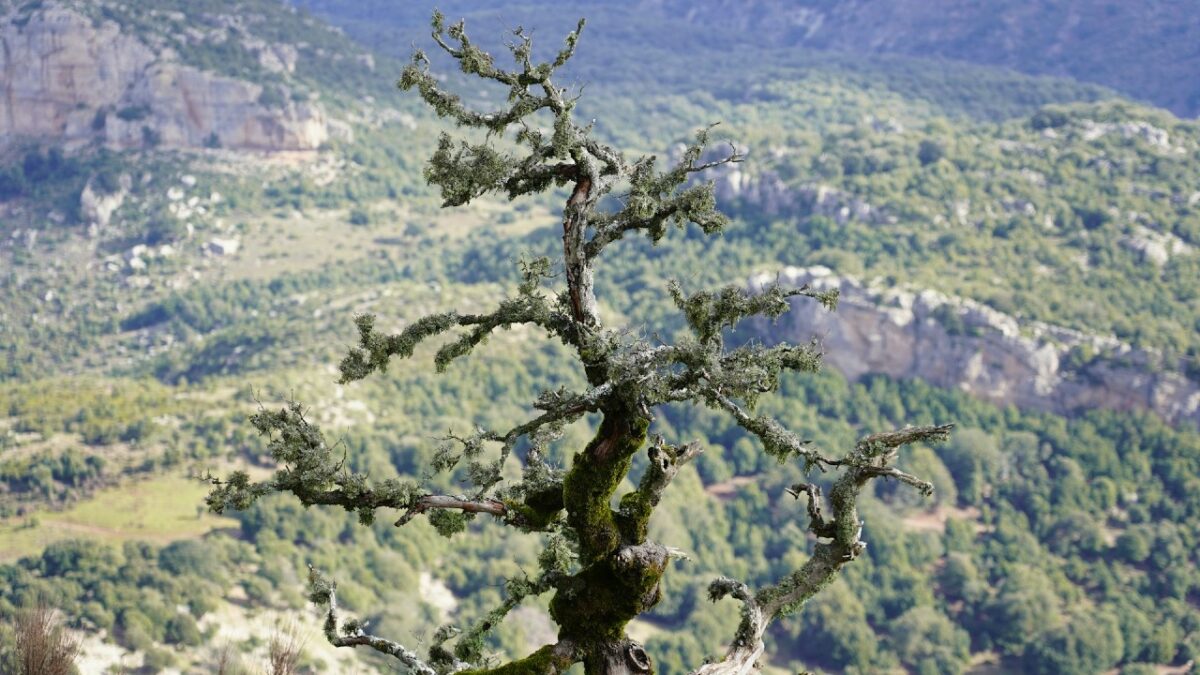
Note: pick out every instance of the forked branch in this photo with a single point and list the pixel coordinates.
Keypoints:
(353, 634)
(839, 542)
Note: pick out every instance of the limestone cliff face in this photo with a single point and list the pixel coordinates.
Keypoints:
(73, 80)
(953, 342)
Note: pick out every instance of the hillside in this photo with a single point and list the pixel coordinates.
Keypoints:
(1143, 49)
(155, 293)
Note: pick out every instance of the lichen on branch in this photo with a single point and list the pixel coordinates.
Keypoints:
(597, 559)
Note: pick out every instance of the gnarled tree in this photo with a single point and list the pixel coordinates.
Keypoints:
(597, 561)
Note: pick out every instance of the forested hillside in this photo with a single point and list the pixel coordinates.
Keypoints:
(154, 292)
(1145, 50)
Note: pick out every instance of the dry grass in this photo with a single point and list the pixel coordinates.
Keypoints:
(229, 662)
(41, 646)
(287, 646)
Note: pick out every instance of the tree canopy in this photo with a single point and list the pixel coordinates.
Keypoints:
(597, 560)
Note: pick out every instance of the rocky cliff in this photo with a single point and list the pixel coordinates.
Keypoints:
(954, 342)
(78, 79)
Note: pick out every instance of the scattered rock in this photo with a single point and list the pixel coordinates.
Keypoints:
(1154, 247)
(1156, 137)
(223, 246)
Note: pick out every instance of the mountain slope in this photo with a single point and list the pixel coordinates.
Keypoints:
(155, 296)
(1147, 50)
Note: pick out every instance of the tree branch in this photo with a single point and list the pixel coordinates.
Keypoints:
(777, 440)
(427, 502)
(375, 350)
(633, 515)
(655, 199)
(843, 529)
(324, 592)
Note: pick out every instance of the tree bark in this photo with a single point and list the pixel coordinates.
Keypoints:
(623, 657)
(578, 271)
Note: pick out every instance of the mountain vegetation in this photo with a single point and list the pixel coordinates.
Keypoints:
(132, 354)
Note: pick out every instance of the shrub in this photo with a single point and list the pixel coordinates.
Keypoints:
(285, 650)
(37, 644)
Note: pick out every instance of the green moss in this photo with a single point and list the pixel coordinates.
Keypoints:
(601, 600)
(529, 517)
(595, 475)
(543, 661)
(633, 518)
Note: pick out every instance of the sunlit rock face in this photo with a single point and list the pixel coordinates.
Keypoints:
(69, 79)
(958, 343)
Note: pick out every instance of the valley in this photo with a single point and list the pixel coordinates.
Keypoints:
(1018, 255)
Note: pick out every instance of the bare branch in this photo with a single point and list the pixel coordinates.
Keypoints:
(709, 312)
(778, 441)
(560, 408)
(324, 592)
(665, 461)
(816, 520)
(375, 350)
(747, 645)
(656, 199)
(871, 446)
(922, 486)
(734, 157)
(423, 504)
(470, 645)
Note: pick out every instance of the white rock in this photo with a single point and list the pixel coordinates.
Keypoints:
(223, 246)
(97, 207)
(1154, 247)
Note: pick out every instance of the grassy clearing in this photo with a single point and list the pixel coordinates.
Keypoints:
(294, 242)
(162, 509)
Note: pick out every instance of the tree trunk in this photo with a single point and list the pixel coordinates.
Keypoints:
(579, 273)
(625, 657)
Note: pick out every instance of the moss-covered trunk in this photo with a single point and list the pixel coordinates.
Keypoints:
(620, 578)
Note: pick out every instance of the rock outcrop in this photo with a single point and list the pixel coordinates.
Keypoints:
(97, 205)
(962, 344)
(764, 190)
(73, 80)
